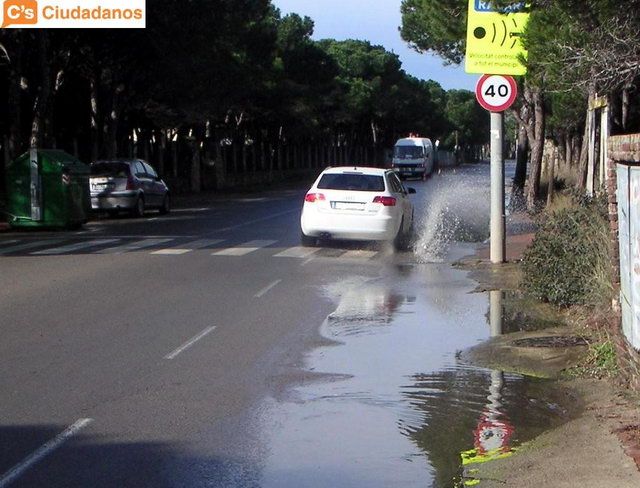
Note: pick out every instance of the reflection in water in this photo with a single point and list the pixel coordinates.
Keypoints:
(496, 320)
(492, 437)
(397, 408)
(459, 419)
(361, 313)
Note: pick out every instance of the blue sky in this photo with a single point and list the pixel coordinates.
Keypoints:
(376, 21)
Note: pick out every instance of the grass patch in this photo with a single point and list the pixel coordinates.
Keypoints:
(600, 362)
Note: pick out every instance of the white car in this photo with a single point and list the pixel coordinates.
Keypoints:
(356, 203)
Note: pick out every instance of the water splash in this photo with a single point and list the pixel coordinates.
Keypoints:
(456, 209)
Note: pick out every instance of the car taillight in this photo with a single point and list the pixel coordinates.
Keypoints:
(386, 201)
(131, 185)
(314, 197)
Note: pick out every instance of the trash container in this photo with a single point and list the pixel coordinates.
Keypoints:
(48, 188)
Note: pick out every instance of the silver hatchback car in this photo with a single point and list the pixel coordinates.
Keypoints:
(127, 184)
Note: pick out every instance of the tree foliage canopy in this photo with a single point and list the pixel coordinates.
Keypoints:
(229, 70)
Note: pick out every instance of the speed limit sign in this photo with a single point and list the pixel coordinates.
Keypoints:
(496, 93)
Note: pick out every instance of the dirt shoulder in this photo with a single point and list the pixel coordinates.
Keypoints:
(599, 445)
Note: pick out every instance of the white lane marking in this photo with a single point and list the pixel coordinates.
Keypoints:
(87, 231)
(203, 209)
(6, 243)
(138, 236)
(29, 245)
(251, 222)
(266, 289)
(297, 252)
(44, 450)
(359, 254)
(189, 246)
(304, 263)
(243, 249)
(189, 343)
(133, 246)
(172, 252)
(75, 247)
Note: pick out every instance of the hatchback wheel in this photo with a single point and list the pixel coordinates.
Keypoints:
(138, 209)
(402, 242)
(166, 205)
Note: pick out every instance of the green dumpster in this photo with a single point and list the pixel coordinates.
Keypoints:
(48, 188)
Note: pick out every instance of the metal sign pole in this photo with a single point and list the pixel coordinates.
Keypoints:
(498, 243)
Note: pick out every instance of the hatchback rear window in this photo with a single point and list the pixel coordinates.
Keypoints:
(346, 181)
(110, 169)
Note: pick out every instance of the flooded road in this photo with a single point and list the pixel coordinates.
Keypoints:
(393, 406)
(233, 357)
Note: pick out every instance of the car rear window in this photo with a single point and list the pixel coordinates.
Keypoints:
(347, 181)
(110, 169)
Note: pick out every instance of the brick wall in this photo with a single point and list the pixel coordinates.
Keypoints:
(622, 149)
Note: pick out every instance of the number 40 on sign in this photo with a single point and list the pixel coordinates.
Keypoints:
(496, 93)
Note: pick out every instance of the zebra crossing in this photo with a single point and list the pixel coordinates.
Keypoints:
(173, 246)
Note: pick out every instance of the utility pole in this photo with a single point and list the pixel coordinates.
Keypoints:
(497, 93)
(498, 240)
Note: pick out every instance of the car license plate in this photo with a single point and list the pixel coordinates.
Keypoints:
(347, 206)
(101, 186)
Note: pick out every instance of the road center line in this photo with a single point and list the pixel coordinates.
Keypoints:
(189, 343)
(264, 291)
(46, 449)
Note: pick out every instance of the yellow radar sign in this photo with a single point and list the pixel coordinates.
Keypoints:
(493, 38)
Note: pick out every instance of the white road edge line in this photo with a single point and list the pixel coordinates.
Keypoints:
(15, 472)
(264, 291)
(188, 344)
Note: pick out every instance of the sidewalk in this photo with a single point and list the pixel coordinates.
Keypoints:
(599, 445)
(520, 230)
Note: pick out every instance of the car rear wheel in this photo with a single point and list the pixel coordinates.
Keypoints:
(138, 209)
(307, 241)
(402, 242)
(166, 205)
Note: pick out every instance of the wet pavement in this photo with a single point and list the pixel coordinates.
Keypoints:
(395, 406)
(382, 399)
(392, 403)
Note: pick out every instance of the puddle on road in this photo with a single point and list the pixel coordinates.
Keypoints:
(396, 407)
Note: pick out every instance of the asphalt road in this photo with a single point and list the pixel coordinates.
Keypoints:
(135, 350)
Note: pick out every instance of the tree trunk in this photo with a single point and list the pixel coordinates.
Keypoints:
(161, 142)
(14, 142)
(111, 122)
(43, 98)
(518, 201)
(583, 162)
(583, 166)
(95, 117)
(195, 182)
(536, 133)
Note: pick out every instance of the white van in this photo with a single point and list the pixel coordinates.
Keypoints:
(413, 157)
